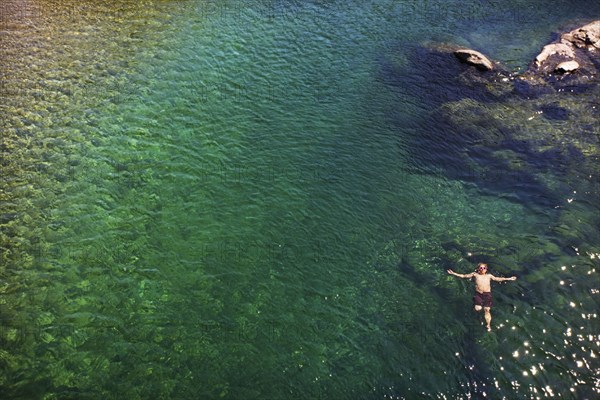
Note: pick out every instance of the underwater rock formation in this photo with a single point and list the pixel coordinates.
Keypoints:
(514, 130)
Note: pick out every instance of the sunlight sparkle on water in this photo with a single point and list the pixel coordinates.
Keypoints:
(548, 391)
(533, 370)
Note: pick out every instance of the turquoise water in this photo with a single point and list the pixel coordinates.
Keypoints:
(260, 200)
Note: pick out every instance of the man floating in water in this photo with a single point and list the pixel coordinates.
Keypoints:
(483, 289)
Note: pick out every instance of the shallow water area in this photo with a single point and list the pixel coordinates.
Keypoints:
(260, 200)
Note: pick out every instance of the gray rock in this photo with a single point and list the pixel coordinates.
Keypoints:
(585, 36)
(562, 49)
(567, 66)
(474, 58)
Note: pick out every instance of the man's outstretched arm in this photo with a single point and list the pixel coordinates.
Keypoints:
(497, 279)
(461, 275)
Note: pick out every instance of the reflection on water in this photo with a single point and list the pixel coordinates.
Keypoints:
(205, 199)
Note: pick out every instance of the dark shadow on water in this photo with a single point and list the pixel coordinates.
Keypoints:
(520, 185)
(555, 112)
(454, 157)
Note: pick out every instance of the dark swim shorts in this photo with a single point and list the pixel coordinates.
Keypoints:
(483, 299)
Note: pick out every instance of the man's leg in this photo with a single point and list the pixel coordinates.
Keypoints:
(477, 308)
(488, 318)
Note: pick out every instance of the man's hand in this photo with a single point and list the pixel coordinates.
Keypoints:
(451, 272)
(512, 278)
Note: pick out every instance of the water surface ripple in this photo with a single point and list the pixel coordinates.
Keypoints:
(260, 200)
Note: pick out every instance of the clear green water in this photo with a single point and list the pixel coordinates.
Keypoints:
(246, 200)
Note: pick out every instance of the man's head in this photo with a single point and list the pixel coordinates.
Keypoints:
(482, 268)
